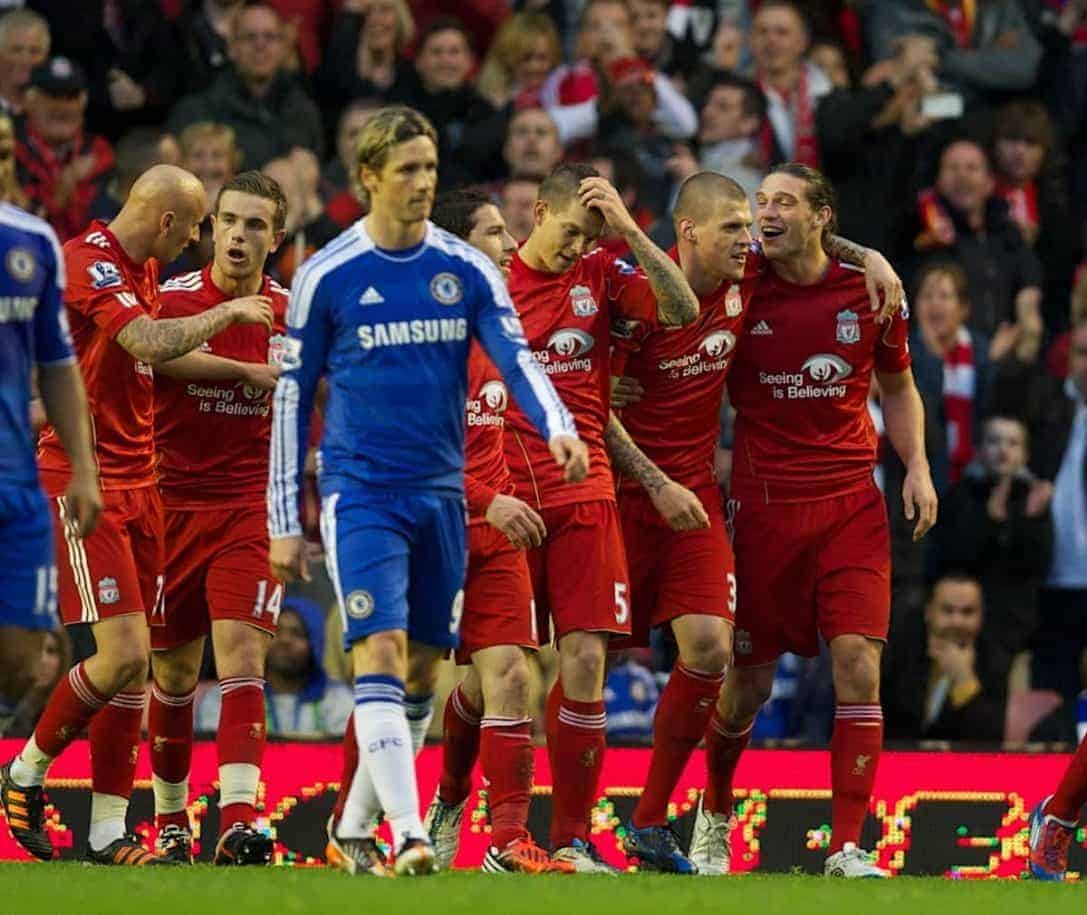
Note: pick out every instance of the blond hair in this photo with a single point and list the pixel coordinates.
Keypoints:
(209, 130)
(516, 38)
(387, 128)
(24, 19)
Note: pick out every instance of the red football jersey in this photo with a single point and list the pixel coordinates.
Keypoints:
(106, 291)
(566, 317)
(800, 382)
(683, 371)
(485, 471)
(213, 437)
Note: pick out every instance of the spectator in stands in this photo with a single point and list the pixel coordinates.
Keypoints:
(570, 92)
(793, 86)
(301, 698)
(338, 179)
(61, 168)
(440, 87)
(652, 43)
(995, 524)
(256, 96)
(829, 57)
(308, 226)
(205, 30)
(532, 147)
(622, 169)
(871, 138)
(1060, 457)
(1032, 182)
(523, 54)
(630, 698)
(135, 153)
(365, 53)
(1063, 87)
(24, 44)
(10, 189)
(961, 217)
(937, 682)
(518, 206)
(986, 49)
(728, 135)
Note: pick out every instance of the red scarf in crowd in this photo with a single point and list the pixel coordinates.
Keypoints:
(959, 15)
(802, 110)
(960, 380)
(1022, 202)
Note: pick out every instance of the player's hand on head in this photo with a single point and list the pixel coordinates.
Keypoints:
(919, 500)
(884, 286)
(252, 309)
(680, 507)
(287, 558)
(84, 499)
(260, 375)
(601, 195)
(572, 456)
(522, 526)
(625, 391)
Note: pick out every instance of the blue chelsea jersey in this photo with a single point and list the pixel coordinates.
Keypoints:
(33, 330)
(390, 331)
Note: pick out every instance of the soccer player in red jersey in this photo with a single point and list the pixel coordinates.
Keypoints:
(217, 573)
(113, 580)
(809, 526)
(567, 300)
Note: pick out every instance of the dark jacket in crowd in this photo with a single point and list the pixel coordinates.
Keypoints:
(265, 128)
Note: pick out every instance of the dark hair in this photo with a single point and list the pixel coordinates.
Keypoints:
(754, 100)
(820, 192)
(259, 185)
(559, 188)
(136, 152)
(949, 268)
(954, 575)
(455, 211)
(1010, 418)
(1024, 120)
(627, 172)
(444, 24)
(791, 5)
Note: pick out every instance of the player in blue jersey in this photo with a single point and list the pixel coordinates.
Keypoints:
(34, 331)
(386, 313)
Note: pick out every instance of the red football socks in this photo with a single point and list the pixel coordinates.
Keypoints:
(854, 757)
(241, 738)
(460, 747)
(115, 744)
(680, 722)
(577, 754)
(169, 732)
(723, 751)
(350, 764)
(1072, 792)
(71, 706)
(507, 756)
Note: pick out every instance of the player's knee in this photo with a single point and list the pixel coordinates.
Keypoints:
(175, 675)
(583, 663)
(856, 669)
(706, 653)
(512, 680)
(745, 692)
(382, 653)
(128, 662)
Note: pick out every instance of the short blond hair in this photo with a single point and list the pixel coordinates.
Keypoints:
(387, 128)
(24, 19)
(209, 130)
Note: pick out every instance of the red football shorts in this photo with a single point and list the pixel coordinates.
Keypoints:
(118, 568)
(579, 573)
(216, 569)
(675, 574)
(807, 569)
(498, 605)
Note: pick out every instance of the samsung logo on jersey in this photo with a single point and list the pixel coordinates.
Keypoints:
(17, 307)
(403, 333)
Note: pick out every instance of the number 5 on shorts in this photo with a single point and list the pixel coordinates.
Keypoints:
(622, 605)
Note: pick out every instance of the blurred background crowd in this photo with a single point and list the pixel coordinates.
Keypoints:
(955, 132)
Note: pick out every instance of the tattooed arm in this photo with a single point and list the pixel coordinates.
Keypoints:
(680, 507)
(884, 285)
(157, 341)
(676, 302)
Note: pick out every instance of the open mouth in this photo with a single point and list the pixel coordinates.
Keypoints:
(236, 256)
(771, 232)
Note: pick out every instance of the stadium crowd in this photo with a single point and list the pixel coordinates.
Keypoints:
(955, 134)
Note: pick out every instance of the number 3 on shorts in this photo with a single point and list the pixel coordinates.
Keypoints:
(732, 594)
(622, 605)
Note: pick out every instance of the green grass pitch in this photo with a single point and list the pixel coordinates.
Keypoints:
(205, 890)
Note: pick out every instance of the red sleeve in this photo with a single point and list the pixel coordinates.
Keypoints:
(478, 495)
(627, 336)
(629, 292)
(97, 288)
(893, 347)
